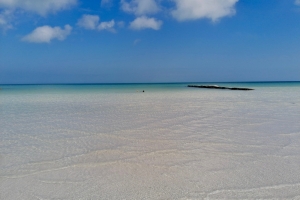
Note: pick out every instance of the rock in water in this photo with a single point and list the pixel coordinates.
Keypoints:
(219, 87)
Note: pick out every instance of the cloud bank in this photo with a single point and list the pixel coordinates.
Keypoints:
(45, 34)
(297, 2)
(9, 9)
(197, 9)
(182, 10)
(42, 7)
(144, 23)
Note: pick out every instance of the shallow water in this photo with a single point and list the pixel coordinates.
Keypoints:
(170, 142)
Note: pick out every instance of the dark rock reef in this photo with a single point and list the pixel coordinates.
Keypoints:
(219, 87)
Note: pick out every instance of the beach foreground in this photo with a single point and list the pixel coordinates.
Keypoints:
(92, 142)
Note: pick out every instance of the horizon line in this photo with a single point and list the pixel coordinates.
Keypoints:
(124, 83)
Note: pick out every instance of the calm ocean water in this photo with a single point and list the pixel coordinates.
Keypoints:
(139, 86)
(113, 141)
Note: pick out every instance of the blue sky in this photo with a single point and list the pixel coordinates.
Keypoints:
(127, 41)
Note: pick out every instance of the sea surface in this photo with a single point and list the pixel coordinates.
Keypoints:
(113, 141)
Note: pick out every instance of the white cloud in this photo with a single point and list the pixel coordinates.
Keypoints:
(297, 2)
(135, 42)
(5, 20)
(197, 9)
(41, 7)
(107, 26)
(140, 7)
(121, 24)
(106, 3)
(89, 21)
(2, 21)
(45, 34)
(145, 22)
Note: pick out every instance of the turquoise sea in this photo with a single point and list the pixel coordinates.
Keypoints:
(114, 141)
(139, 86)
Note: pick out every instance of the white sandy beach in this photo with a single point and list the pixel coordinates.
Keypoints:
(185, 144)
